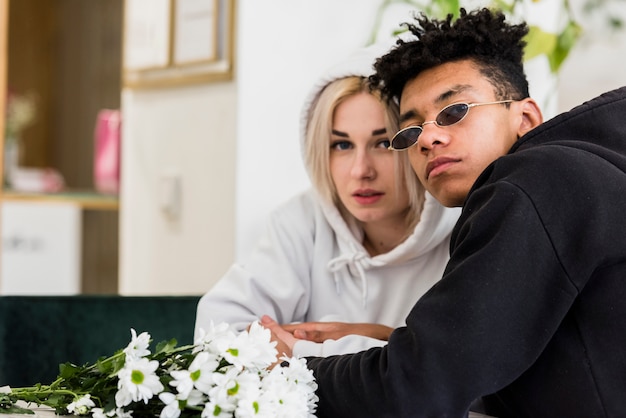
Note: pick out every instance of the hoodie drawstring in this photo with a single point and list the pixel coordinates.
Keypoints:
(356, 259)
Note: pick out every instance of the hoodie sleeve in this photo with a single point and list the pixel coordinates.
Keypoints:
(275, 280)
(346, 345)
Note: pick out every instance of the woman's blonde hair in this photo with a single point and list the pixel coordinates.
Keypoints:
(318, 138)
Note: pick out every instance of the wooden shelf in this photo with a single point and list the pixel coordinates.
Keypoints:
(69, 54)
(86, 199)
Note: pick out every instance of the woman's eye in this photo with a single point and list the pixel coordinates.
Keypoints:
(340, 145)
(385, 143)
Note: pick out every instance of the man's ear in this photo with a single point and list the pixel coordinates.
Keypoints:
(531, 116)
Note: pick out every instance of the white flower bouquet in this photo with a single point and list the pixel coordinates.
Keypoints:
(222, 375)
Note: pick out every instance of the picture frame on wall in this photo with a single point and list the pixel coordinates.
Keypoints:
(146, 34)
(177, 42)
(195, 31)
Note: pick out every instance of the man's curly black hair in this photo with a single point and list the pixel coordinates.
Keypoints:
(482, 36)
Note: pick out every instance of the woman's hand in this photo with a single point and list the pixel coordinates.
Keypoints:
(285, 340)
(321, 331)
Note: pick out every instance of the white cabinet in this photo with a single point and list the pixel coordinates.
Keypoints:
(41, 248)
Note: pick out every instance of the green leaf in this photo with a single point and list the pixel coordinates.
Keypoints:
(166, 346)
(446, 7)
(539, 42)
(56, 400)
(13, 409)
(504, 5)
(566, 41)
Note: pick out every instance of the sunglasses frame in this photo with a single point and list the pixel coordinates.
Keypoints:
(421, 126)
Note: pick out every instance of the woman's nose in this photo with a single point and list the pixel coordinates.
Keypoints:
(362, 166)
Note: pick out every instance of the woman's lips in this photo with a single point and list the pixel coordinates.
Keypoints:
(367, 197)
(439, 165)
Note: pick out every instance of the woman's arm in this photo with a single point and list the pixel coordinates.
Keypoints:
(274, 280)
(322, 331)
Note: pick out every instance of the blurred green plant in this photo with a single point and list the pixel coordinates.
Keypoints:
(555, 45)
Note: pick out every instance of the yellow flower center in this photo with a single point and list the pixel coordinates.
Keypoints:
(136, 377)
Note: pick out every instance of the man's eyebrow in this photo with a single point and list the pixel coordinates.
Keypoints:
(446, 95)
(407, 115)
(339, 133)
(453, 91)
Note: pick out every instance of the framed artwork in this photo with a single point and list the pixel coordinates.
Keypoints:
(146, 34)
(195, 31)
(169, 42)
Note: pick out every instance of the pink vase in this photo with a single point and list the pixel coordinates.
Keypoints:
(107, 151)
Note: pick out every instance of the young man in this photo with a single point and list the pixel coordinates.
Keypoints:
(530, 311)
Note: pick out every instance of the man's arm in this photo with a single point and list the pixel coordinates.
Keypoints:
(473, 333)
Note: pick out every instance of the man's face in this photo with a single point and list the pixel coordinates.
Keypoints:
(449, 159)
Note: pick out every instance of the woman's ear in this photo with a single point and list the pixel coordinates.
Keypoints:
(531, 116)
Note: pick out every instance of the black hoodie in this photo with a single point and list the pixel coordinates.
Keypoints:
(531, 310)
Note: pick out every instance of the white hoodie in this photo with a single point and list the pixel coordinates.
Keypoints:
(311, 266)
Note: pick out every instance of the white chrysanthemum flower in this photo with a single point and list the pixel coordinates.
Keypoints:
(199, 374)
(174, 404)
(252, 401)
(123, 397)
(283, 396)
(223, 396)
(262, 407)
(297, 371)
(224, 383)
(214, 340)
(253, 349)
(138, 346)
(98, 413)
(81, 406)
(292, 389)
(248, 386)
(137, 381)
(113, 413)
(120, 413)
(264, 344)
(215, 409)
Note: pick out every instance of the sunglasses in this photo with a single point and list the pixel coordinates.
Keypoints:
(448, 116)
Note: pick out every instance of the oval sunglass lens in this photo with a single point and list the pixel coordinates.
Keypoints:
(405, 138)
(452, 114)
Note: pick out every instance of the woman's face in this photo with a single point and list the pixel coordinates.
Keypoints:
(361, 166)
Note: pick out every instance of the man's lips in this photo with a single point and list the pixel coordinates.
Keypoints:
(439, 165)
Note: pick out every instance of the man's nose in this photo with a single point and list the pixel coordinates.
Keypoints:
(431, 136)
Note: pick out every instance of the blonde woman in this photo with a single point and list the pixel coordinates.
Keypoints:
(344, 262)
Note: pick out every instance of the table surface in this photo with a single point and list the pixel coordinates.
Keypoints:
(44, 412)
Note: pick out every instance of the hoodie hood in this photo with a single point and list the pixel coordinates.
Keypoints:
(360, 64)
(436, 222)
(433, 230)
(596, 125)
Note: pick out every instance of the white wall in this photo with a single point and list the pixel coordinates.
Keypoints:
(236, 145)
(189, 133)
(283, 46)
(597, 63)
